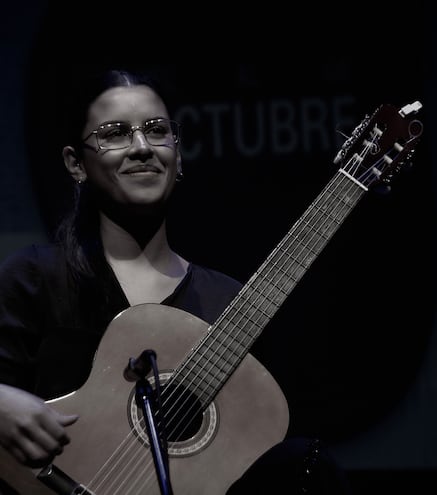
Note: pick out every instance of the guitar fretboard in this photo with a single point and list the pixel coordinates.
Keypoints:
(229, 339)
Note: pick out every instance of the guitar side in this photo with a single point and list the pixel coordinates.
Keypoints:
(103, 432)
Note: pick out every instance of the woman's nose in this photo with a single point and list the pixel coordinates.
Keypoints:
(139, 141)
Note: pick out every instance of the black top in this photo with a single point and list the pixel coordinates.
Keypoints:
(51, 325)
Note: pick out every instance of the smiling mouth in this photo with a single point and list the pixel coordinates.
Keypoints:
(142, 169)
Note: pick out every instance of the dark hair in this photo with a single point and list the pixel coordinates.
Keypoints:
(82, 91)
(78, 231)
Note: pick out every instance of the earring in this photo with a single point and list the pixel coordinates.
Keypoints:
(81, 180)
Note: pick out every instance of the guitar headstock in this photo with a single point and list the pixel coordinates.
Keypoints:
(381, 145)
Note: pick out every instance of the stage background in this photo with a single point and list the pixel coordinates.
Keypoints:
(261, 97)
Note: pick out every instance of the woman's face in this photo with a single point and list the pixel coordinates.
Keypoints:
(141, 174)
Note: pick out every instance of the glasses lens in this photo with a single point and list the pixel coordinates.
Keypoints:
(162, 132)
(118, 135)
(114, 136)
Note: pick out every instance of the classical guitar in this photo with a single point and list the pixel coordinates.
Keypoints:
(222, 408)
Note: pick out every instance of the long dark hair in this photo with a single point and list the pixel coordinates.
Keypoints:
(78, 231)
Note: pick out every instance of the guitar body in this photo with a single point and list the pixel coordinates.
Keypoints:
(109, 456)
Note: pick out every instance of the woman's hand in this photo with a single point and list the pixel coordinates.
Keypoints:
(30, 429)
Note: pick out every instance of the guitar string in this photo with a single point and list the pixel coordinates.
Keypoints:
(234, 336)
(279, 260)
(325, 220)
(192, 382)
(125, 465)
(121, 472)
(357, 165)
(281, 276)
(240, 318)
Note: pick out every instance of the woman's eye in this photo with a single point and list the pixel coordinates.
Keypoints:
(115, 131)
(157, 129)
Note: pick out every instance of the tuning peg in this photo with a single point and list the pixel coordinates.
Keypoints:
(410, 108)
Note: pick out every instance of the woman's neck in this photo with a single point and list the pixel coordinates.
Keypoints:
(149, 247)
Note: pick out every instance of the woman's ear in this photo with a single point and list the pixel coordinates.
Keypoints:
(73, 164)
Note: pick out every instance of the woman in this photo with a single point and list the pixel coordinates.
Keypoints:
(112, 253)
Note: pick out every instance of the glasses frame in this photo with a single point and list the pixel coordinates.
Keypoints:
(133, 128)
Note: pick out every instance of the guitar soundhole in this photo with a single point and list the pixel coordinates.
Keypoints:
(189, 429)
(182, 413)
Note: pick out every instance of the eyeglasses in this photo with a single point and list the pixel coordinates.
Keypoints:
(119, 135)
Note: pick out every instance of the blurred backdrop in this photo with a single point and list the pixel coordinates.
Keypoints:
(265, 99)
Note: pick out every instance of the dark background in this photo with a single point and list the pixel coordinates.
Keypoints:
(353, 347)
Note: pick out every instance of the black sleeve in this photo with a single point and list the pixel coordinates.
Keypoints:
(21, 310)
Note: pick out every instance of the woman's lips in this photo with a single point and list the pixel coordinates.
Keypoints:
(140, 169)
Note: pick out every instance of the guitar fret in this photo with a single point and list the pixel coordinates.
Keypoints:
(296, 238)
(332, 219)
(307, 227)
(263, 283)
(275, 288)
(245, 306)
(345, 199)
(299, 267)
(302, 259)
(327, 213)
(274, 291)
(210, 373)
(289, 256)
(263, 304)
(213, 366)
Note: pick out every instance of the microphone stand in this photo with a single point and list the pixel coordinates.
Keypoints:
(144, 399)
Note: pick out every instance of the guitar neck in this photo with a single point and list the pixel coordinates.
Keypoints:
(226, 343)
(272, 283)
(377, 150)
